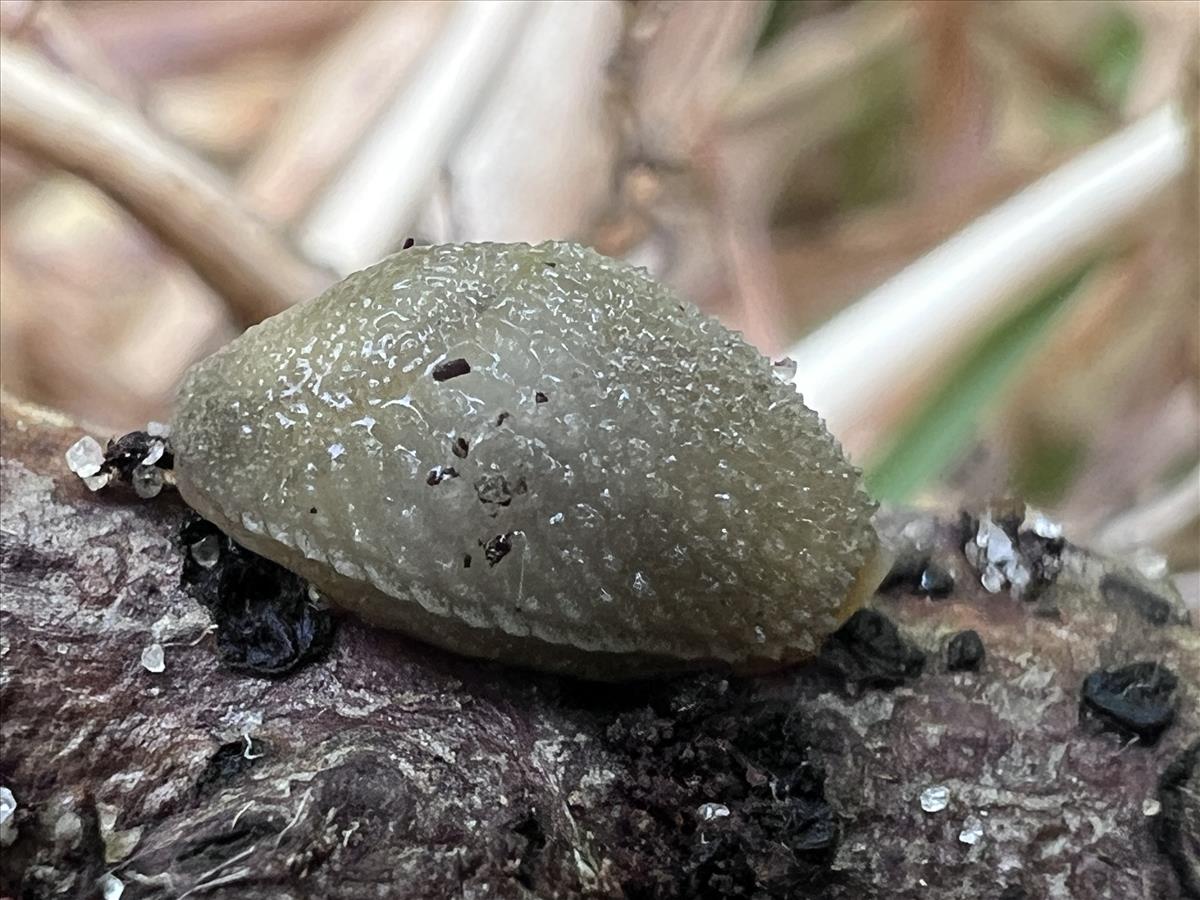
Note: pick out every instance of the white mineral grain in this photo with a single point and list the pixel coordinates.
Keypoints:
(8, 813)
(153, 658)
(154, 453)
(935, 798)
(972, 831)
(97, 481)
(1042, 525)
(85, 456)
(710, 811)
(111, 887)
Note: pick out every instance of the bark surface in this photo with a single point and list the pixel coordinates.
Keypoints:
(388, 769)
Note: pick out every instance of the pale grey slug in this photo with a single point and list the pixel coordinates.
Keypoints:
(532, 454)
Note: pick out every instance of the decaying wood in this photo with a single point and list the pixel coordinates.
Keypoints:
(390, 769)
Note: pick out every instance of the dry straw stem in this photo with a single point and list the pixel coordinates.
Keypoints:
(962, 287)
(156, 40)
(381, 190)
(56, 31)
(508, 181)
(344, 93)
(181, 199)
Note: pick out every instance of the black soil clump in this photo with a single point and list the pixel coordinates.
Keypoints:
(723, 798)
(1137, 700)
(267, 624)
(124, 454)
(869, 651)
(965, 651)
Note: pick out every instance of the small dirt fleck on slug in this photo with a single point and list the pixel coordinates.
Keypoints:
(438, 474)
(450, 368)
(408, 242)
(1135, 700)
(466, 560)
(460, 447)
(312, 510)
(869, 651)
(965, 651)
(540, 397)
(493, 491)
(1122, 593)
(500, 418)
(497, 548)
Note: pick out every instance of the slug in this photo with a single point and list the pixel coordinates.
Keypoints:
(532, 454)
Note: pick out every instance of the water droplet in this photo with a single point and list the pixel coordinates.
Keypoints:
(147, 481)
(759, 634)
(784, 369)
(336, 450)
(158, 429)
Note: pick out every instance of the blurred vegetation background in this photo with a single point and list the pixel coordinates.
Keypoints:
(171, 172)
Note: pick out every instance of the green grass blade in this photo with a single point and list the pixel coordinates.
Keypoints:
(942, 429)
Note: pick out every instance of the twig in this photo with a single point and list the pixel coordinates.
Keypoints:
(380, 191)
(178, 197)
(960, 288)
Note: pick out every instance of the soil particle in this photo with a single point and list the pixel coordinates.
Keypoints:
(1137, 700)
(965, 652)
(869, 651)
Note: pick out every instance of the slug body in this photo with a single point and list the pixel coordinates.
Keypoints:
(531, 454)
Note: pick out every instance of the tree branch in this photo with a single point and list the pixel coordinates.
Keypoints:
(393, 769)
